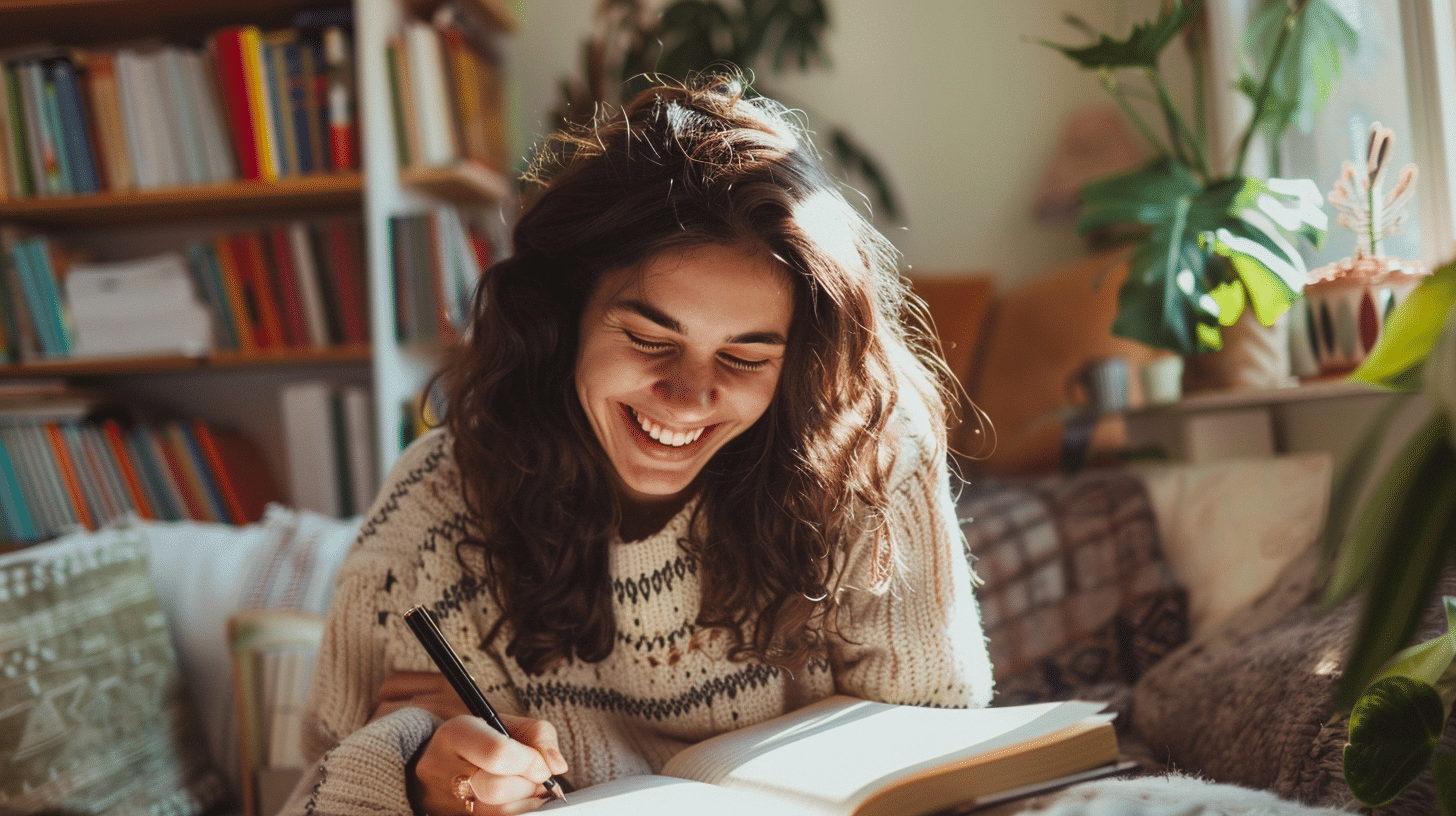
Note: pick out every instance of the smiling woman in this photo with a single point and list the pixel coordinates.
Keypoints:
(692, 476)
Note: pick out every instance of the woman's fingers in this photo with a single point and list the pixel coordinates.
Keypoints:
(505, 775)
(538, 734)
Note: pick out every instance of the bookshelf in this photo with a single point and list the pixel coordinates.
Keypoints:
(229, 387)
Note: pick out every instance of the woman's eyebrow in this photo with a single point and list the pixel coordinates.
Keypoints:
(646, 311)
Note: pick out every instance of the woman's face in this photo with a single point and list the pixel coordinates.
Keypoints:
(679, 358)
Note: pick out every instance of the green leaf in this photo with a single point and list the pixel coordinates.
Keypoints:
(1438, 375)
(1308, 70)
(1394, 728)
(1410, 545)
(1443, 772)
(1411, 331)
(1430, 661)
(1143, 44)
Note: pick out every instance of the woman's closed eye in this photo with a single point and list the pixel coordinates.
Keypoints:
(656, 347)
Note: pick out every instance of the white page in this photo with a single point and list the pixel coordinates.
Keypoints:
(653, 795)
(836, 751)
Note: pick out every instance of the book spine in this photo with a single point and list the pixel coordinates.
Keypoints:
(298, 85)
(44, 161)
(268, 330)
(343, 149)
(307, 434)
(104, 472)
(37, 298)
(55, 134)
(70, 476)
(183, 116)
(19, 527)
(394, 66)
(75, 127)
(201, 263)
(339, 448)
(195, 460)
(315, 100)
(99, 73)
(127, 466)
(275, 75)
(212, 125)
(159, 120)
(259, 103)
(184, 474)
(427, 79)
(349, 280)
(243, 311)
(309, 285)
(162, 492)
(229, 66)
(295, 326)
(212, 455)
(22, 176)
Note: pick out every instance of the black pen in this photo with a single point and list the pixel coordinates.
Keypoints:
(423, 624)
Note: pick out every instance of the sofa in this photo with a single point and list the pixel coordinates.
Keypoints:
(1183, 595)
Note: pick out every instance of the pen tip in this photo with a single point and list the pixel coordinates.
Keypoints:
(555, 789)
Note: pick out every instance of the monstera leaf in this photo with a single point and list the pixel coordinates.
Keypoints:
(1204, 251)
(1143, 44)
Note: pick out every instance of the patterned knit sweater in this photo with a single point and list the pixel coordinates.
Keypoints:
(667, 683)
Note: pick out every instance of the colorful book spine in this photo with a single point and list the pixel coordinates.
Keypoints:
(343, 149)
(258, 283)
(101, 88)
(76, 127)
(348, 272)
(128, 468)
(70, 476)
(18, 527)
(22, 179)
(242, 311)
(295, 325)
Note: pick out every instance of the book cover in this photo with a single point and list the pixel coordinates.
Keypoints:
(912, 761)
(290, 290)
(99, 68)
(259, 287)
(128, 468)
(226, 46)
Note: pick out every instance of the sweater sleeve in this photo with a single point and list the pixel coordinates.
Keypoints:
(917, 640)
(367, 772)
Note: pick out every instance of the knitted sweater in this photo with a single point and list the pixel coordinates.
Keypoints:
(667, 683)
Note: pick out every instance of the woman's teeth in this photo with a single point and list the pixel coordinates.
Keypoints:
(661, 435)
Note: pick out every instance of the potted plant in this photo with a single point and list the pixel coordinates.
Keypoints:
(1210, 243)
(1394, 552)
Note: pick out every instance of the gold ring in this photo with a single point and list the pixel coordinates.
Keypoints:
(464, 792)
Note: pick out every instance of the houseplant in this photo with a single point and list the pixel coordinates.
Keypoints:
(633, 41)
(1210, 241)
(1394, 551)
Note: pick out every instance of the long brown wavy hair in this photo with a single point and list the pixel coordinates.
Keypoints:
(678, 166)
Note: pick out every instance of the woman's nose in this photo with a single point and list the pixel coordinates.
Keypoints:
(688, 384)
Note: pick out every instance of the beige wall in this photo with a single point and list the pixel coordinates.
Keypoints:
(956, 98)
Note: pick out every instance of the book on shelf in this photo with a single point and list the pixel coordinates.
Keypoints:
(438, 257)
(328, 432)
(445, 92)
(137, 307)
(847, 757)
(273, 653)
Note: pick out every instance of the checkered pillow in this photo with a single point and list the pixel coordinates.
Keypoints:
(1077, 593)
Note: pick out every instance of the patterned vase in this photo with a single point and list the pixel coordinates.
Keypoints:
(1346, 304)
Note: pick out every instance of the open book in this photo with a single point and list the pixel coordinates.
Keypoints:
(851, 757)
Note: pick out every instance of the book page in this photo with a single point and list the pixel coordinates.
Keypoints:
(838, 751)
(666, 795)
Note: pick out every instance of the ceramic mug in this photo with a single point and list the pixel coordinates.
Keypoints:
(1162, 379)
(1100, 386)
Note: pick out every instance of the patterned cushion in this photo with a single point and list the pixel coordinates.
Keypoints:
(1077, 594)
(92, 715)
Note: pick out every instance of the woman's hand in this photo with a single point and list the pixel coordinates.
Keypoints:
(505, 773)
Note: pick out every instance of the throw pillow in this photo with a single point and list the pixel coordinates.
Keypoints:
(92, 715)
(1077, 599)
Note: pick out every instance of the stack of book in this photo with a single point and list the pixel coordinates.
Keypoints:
(289, 285)
(446, 92)
(249, 105)
(59, 473)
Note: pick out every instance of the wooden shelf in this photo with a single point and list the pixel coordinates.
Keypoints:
(100, 367)
(466, 183)
(233, 198)
(1262, 397)
(101, 22)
